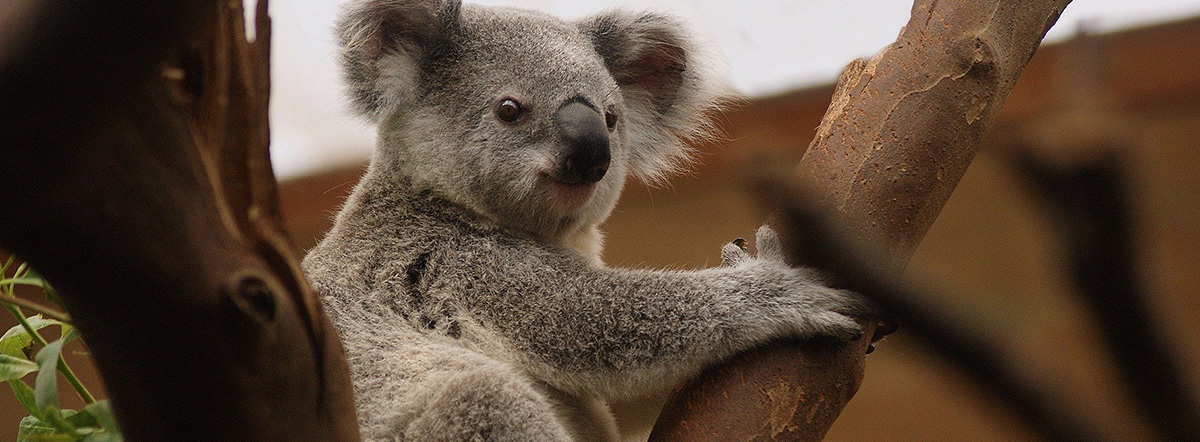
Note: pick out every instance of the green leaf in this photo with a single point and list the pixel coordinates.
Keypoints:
(58, 419)
(45, 387)
(15, 368)
(24, 280)
(81, 419)
(32, 429)
(47, 289)
(67, 330)
(8, 262)
(51, 294)
(16, 338)
(24, 395)
(103, 436)
(30, 426)
(102, 411)
(55, 437)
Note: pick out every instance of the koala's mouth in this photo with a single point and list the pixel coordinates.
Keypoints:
(570, 195)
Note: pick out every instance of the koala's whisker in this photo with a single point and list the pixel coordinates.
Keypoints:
(611, 91)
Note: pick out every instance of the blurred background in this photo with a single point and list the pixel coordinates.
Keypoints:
(1114, 78)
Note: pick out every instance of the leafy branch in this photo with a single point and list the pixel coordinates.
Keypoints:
(40, 309)
(46, 421)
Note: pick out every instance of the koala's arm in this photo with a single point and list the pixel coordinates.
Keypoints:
(616, 333)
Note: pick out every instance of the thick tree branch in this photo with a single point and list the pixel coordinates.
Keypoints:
(901, 131)
(904, 125)
(141, 190)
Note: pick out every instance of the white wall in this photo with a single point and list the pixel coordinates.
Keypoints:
(772, 46)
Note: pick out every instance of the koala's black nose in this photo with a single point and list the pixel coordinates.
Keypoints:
(585, 155)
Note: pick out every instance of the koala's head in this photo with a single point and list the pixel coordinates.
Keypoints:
(529, 120)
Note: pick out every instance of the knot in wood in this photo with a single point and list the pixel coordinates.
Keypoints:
(249, 316)
(974, 56)
(253, 298)
(184, 77)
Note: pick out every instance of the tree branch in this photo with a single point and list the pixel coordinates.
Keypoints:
(35, 307)
(901, 131)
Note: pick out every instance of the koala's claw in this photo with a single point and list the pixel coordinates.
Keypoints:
(853, 304)
(829, 312)
(839, 326)
(734, 253)
(765, 240)
(768, 244)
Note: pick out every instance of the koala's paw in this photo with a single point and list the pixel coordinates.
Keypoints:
(766, 241)
(836, 325)
(768, 244)
(734, 253)
(853, 304)
(835, 315)
(817, 310)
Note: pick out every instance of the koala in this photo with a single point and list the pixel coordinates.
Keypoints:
(463, 272)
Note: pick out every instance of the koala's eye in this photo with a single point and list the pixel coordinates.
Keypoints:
(610, 118)
(509, 110)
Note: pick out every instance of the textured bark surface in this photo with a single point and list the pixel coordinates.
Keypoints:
(138, 183)
(779, 392)
(904, 125)
(900, 133)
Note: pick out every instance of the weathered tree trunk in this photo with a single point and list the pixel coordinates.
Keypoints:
(138, 183)
(901, 131)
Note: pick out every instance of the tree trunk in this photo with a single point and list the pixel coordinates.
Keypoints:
(140, 186)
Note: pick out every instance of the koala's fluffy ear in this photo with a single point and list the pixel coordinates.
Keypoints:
(383, 43)
(670, 86)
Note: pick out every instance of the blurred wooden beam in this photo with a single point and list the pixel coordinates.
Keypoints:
(1089, 197)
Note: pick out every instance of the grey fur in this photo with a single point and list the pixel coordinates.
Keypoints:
(469, 294)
